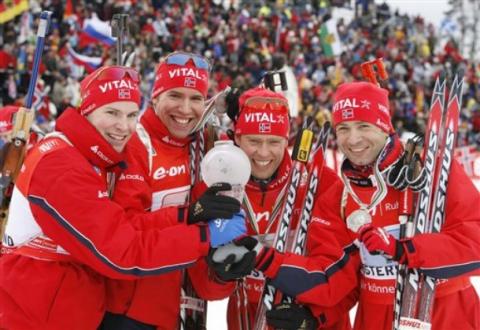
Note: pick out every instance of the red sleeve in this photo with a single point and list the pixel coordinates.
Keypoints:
(132, 190)
(66, 203)
(205, 284)
(336, 317)
(329, 270)
(456, 249)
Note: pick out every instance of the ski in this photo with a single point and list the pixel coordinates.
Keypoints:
(419, 290)
(409, 281)
(300, 156)
(314, 169)
(314, 165)
(437, 217)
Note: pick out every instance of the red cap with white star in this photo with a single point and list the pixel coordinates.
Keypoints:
(262, 112)
(362, 101)
(6, 118)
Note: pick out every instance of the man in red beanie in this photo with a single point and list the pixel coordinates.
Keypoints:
(165, 131)
(261, 128)
(372, 149)
(65, 235)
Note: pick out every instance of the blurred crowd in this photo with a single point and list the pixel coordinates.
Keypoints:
(243, 40)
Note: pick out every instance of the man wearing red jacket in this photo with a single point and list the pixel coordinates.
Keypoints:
(164, 180)
(65, 235)
(261, 127)
(365, 135)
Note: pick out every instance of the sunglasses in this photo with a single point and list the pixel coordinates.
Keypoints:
(263, 103)
(181, 58)
(114, 72)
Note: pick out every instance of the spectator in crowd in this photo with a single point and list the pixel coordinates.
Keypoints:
(223, 32)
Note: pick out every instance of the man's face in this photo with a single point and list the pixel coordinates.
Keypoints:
(179, 109)
(264, 151)
(115, 122)
(361, 142)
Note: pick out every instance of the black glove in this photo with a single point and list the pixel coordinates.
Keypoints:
(212, 206)
(291, 316)
(238, 259)
(228, 269)
(232, 104)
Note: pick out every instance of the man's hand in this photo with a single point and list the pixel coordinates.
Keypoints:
(212, 206)
(291, 316)
(236, 260)
(229, 269)
(378, 241)
(224, 231)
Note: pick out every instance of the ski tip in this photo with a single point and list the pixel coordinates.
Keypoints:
(439, 89)
(441, 79)
(456, 91)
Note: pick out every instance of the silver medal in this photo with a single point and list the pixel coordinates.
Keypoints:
(357, 219)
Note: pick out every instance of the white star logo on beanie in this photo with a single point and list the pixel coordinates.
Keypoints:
(365, 104)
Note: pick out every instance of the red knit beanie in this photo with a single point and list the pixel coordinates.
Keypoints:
(362, 101)
(6, 118)
(262, 112)
(109, 84)
(173, 73)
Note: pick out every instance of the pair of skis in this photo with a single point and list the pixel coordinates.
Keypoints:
(310, 155)
(415, 292)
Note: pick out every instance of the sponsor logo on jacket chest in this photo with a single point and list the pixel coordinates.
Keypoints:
(137, 177)
(96, 150)
(162, 172)
(47, 146)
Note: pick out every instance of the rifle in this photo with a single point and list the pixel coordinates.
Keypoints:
(15, 150)
(119, 31)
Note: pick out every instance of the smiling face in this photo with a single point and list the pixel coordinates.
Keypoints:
(115, 122)
(264, 151)
(361, 142)
(179, 109)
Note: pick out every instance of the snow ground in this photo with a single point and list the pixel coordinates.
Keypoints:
(217, 310)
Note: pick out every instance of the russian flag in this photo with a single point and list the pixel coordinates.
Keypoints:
(98, 30)
(90, 63)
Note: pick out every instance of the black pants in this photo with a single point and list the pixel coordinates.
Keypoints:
(121, 322)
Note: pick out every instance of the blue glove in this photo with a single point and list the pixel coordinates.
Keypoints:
(223, 231)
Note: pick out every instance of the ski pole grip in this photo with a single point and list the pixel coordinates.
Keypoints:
(303, 145)
(368, 73)
(382, 73)
(274, 79)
